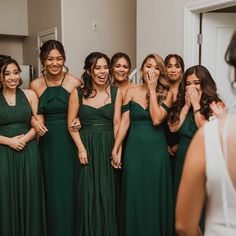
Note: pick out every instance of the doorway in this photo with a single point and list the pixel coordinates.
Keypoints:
(217, 29)
(43, 37)
(212, 49)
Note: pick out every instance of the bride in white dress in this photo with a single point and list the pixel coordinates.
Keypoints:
(209, 175)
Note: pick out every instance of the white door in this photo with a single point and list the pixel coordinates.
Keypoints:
(217, 29)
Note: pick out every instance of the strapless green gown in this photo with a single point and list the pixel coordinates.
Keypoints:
(147, 199)
(22, 210)
(59, 156)
(97, 182)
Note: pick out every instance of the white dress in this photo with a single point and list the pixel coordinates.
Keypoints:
(221, 194)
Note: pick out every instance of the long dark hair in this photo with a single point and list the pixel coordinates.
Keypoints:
(209, 93)
(230, 58)
(4, 62)
(163, 85)
(89, 65)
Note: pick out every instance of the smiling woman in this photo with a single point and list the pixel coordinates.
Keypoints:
(120, 70)
(56, 146)
(20, 169)
(97, 105)
(197, 90)
(146, 196)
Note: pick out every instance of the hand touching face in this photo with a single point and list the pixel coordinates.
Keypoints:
(193, 89)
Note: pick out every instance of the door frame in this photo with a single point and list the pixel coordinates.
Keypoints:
(192, 24)
(50, 34)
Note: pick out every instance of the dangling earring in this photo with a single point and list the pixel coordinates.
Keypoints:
(66, 69)
(44, 71)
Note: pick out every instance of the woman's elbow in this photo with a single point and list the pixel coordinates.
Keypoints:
(181, 228)
(156, 122)
(185, 229)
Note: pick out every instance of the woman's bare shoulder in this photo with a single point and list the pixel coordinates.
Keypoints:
(76, 81)
(30, 94)
(37, 82)
(134, 88)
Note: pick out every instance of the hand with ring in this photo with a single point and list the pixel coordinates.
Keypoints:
(116, 160)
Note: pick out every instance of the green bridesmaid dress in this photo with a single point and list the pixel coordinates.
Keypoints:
(58, 155)
(186, 132)
(21, 184)
(146, 197)
(97, 182)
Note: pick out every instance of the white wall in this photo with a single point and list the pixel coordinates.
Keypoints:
(116, 29)
(160, 27)
(13, 17)
(43, 15)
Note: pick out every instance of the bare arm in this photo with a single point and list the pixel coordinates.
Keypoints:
(190, 200)
(33, 101)
(37, 121)
(199, 119)
(157, 112)
(183, 114)
(73, 109)
(117, 112)
(122, 131)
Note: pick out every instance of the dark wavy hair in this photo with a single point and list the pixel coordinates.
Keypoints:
(230, 57)
(209, 93)
(4, 57)
(163, 84)
(178, 58)
(4, 62)
(89, 65)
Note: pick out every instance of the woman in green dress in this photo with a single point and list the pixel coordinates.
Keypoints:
(191, 110)
(21, 182)
(57, 149)
(146, 198)
(174, 65)
(98, 106)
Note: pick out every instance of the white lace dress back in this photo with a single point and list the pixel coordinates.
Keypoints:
(220, 155)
